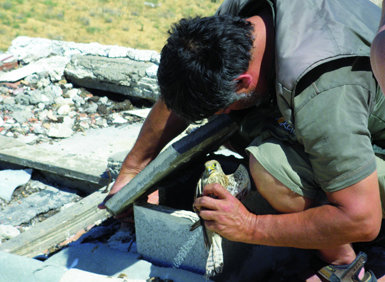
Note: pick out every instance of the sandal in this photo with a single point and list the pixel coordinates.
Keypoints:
(347, 272)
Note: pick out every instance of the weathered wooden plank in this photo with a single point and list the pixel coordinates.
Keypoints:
(58, 228)
(204, 139)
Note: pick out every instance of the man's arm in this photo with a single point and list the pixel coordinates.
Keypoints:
(377, 53)
(354, 215)
(159, 128)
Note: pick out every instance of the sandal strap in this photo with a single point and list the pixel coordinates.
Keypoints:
(369, 277)
(348, 272)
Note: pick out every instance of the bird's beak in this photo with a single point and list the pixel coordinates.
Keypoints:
(211, 168)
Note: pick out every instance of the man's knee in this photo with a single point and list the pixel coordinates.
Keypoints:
(277, 194)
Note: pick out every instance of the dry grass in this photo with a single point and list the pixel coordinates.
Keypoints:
(139, 24)
(132, 23)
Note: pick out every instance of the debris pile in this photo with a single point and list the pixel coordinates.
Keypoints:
(39, 103)
(32, 203)
(36, 110)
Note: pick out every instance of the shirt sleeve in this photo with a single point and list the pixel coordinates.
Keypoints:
(333, 128)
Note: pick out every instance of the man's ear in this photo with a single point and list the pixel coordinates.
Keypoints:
(244, 81)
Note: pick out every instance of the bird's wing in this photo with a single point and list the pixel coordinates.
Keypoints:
(239, 181)
(214, 263)
(199, 189)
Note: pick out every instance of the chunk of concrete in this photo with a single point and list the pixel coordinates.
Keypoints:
(11, 179)
(120, 75)
(8, 232)
(15, 268)
(54, 66)
(34, 205)
(163, 236)
(102, 260)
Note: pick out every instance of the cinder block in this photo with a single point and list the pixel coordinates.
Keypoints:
(163, 237)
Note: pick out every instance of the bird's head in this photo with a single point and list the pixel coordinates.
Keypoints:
(212, 166)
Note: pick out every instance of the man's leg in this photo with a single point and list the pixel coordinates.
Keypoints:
(296, 194)
(278, 195)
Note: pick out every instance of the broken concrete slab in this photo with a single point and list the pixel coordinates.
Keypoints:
(53, 66)
(68, 157)
(163, 236)
(7, 143)
(15, 268)
(67, 165)
(10, 179)
(97, 143)
(119, 75)
(101, 260)
(58, 228)
(37, 203)
(30, 49)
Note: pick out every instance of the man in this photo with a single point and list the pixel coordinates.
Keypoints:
(320, 173)
(377, 54)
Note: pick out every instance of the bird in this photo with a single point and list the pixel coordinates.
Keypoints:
(238, 184)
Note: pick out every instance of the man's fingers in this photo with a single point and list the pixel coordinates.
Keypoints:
(216, 190)
(205, 202)
(102, 205)
(207, 215)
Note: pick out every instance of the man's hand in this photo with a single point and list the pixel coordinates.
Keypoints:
(120, 182)
(224, 213)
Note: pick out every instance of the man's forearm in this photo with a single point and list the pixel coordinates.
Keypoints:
(159, 128)
(316, 228)
(354, 216)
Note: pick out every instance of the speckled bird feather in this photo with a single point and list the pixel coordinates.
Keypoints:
(238, 184)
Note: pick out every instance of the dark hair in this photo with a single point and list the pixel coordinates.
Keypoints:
(200, 62)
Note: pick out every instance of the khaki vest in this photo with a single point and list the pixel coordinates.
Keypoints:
(310, 33)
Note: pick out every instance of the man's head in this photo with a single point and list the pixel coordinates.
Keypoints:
(201, 64)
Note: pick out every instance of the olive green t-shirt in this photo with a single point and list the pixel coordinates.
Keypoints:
(338, 115)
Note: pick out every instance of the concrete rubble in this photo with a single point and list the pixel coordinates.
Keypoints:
(47, 92)
(49, 198)
(120, 75)
(10, 180)
(126, 67)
